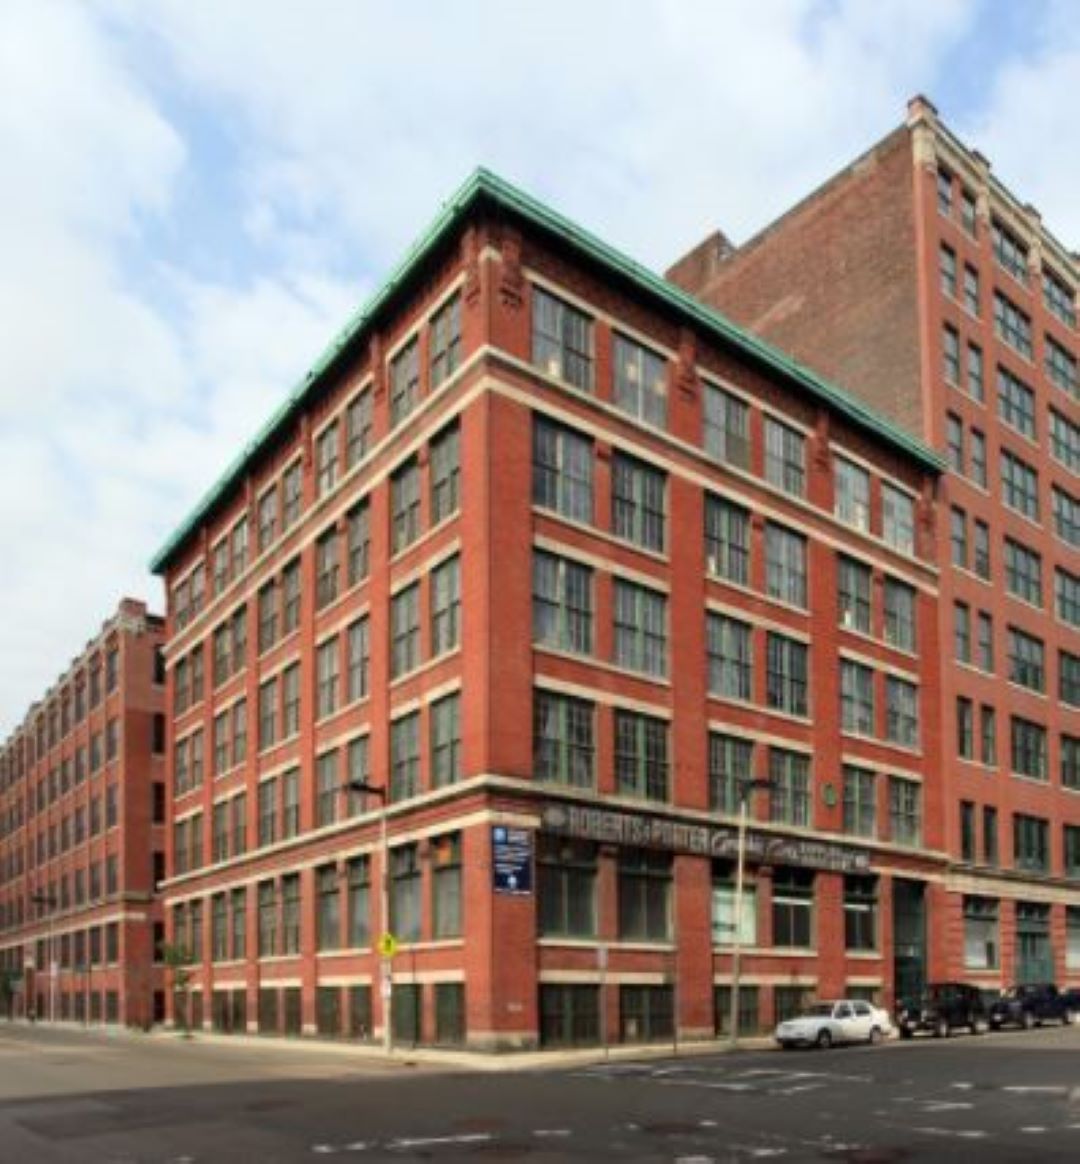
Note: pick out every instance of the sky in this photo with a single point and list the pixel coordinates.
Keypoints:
(197, 194)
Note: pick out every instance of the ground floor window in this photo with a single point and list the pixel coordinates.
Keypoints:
(360, 1023)
(196, 1010)
(268, 1011)
(870, 994)
(293, 1012)
(95, 1007)
(860, 913)
(1072, 937)
(405, 1013)
(981, 933)
(112, 1007)
(450, 1013)
(789, 1001)
(645, 880)
(328, 1010)
(569, 1015)
(723, 907)
(749, 1010)
(793, 908)
(1034, 957)
(646, 1013)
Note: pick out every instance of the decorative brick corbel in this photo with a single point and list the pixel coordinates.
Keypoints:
(511, 280)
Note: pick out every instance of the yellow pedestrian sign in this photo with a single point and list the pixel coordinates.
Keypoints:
(387, 945)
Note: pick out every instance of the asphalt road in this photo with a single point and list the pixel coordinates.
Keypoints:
(69, 1096)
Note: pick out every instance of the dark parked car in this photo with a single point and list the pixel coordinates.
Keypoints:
(1030, 1006)
(942, 1008)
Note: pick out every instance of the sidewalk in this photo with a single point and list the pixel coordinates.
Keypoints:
(411, 1057)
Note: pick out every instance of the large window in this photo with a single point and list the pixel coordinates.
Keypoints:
(562, 603)
(727, 540)
(1019, 485)
(785, 565)
(860, 913)
(1062, 369)
(1023, 572)
(856, 698)
(405, 900)
(1016, 402)
(1066, 516)
(852, 494)
(637, 502)
(723, 908)
(405, 505)
(358, 542)
(853, 594)
(786, 674)
(793, 908)
(327, 678)
(562, 340)
(727, 427)
(640, 629)
(359, 658)
(404, 382)
(981, 941)
(1028, 745)
(445, 341)
(1027, 660)
(860, 802)
(899, 614)
(405, 756)
(562, 470)
(898, 518)
(446, 886)
(326, 459)
(1064, 441)
(901, 712)
(445, 463)
(1031, 843)
(358, 873)
(563, 739)
(358, 424)
(730, 770)
(640, 381)
(730, 657)
(1067, 596)
(789, 799)
(645, 879)
(566, 887)
(327, 908)
(641, 755)
(785, 457)
(905, 811)
(405, 631)
(446, 741)
(446, 606)
(1012, 325)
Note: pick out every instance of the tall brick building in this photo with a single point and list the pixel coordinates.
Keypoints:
(918, 281)
(553, 558)
(82, 809)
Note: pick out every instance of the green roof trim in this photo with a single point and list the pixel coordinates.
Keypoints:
(481, 185)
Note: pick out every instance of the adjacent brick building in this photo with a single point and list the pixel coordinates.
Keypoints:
(556, 557)
(919, 282)
(82, 810)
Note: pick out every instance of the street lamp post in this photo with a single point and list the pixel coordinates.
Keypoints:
(382, 792)
(49, 900)
(745, 788)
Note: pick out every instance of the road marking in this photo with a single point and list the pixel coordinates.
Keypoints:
(932, 1105)
(962, 1086)
(552, 1132)
(1033, 1131)
(958, 1133)
(796, 1089)
(432, 1141)
(1046, 1090)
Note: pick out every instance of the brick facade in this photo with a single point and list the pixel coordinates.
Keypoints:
(564, 686)
(82, 805)
(877, 279)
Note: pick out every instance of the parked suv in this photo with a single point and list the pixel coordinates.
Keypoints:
(1031, 1005)
(942, 1008)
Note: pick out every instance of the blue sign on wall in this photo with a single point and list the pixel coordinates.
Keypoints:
(512, 860)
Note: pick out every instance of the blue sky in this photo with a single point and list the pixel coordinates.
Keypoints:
(198, 193)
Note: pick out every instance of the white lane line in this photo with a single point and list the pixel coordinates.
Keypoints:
(796, 1089)
(1033, 1131)
(432, 1141)
(932, 1105)
(1046, 1090)
(551, 1133)
(957, 1133)
(962, 1086)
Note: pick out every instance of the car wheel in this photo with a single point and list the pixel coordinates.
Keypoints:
(824, 1041)
(941, 1029)
(1028, 1020)
(1068, 1018)
(875, 1036)
(905, 1033)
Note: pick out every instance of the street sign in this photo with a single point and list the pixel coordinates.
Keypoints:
(511, 860)
(387, 945)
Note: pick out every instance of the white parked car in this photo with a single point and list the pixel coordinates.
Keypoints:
(826, 1023)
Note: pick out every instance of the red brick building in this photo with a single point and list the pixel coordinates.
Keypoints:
(919, 282)
(557, 558)
(82, 810)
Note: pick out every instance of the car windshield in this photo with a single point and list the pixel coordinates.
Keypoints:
(819, 1010)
